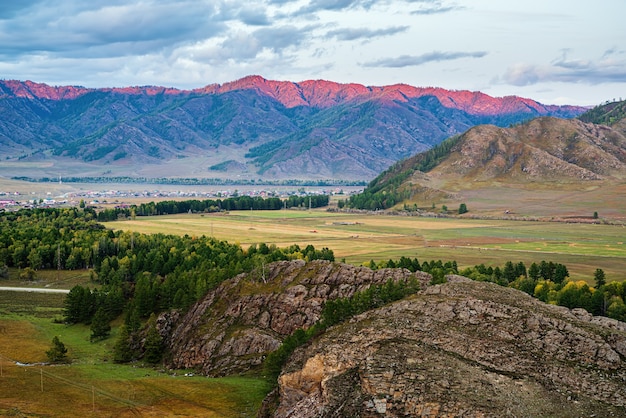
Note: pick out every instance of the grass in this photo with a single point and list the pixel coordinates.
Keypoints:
(69, 390)
(359, 238)
(92, 385)
(41, 305)
(53, 279)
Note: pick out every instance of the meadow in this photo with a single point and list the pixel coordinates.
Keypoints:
(359, 238)
(92, 385)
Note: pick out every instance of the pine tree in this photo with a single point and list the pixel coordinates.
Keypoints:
(58, 352)
(534, 272)
(100, 328)
(599, 278)
(153, 344)
(122, 351)
(509, 272)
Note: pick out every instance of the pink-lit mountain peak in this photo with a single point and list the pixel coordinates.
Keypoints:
(315, 93)
(324, 93)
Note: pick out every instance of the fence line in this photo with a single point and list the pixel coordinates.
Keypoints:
(90, 388)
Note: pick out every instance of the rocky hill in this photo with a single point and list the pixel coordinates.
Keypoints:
(543, 153)
(271, 129)
(544, 149)
(235, 326)
(463, 348)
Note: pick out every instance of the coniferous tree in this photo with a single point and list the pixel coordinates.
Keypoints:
(599, 278)
(153, 344)
(534, 272)
(560, 273)
(100, 328)
(509, 272)
(122, 351)
(58, 352)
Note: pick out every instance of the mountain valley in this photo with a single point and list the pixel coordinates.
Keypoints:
(252, 128)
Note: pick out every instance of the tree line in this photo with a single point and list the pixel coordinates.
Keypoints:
(550, 283)
(172, 207)
(547, 281)
(193, 181)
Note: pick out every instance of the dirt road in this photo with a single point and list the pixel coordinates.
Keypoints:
(33, 289)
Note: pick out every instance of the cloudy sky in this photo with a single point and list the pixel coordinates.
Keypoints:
(554, 51)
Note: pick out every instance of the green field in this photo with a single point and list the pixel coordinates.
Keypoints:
(359, 238)
(92, 385)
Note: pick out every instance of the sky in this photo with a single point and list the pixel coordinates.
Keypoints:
(552, 51)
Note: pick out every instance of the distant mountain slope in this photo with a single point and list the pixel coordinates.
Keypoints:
(606, 114)
(543, 152)
(544, 149)
(612, 114)
(272, 129)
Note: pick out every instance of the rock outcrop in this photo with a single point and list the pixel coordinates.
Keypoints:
(462, 349)
(237, 324)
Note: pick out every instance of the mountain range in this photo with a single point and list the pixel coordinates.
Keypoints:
(251, 128)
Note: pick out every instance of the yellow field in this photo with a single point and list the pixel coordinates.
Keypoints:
(359, 238)
(94, 387)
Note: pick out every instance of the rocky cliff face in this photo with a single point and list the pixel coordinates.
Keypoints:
(237, 324)
(462, 349)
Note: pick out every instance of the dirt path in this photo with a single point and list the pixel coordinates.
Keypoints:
(33, 289)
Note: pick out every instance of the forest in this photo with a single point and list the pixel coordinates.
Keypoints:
(138, 273)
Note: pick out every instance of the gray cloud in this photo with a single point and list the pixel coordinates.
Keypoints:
(280, 38)
(414, 60)
(247, 47)
(11, 8)
(431, 7)
(525, 75)
(254, 17)
(364, 33)
(316, 6)
(611, 68)
(434, 10)
(109, 29)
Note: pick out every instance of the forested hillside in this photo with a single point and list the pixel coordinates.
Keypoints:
(606, 114)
